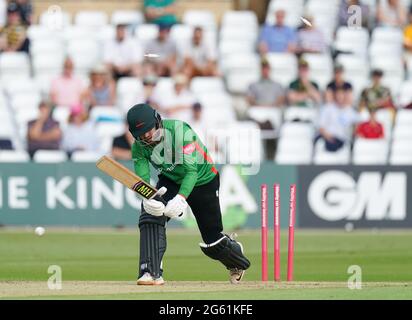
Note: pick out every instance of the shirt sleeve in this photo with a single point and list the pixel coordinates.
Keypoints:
(141, 164)
(188, 155)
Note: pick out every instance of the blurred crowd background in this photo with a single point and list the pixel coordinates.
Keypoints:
(322, 82)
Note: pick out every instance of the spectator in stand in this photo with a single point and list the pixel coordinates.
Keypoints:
(391, 13)
(122, 145)
(80, 133)
(407, 36)
(345, 13)
(304, 92)
(25, 9)
(160, 11)
(149, 85)
(377, 96)
(197, 121)
(266, 92)
(43, 133)
(339, 82)
(102, 88)
(123, 55)
(13, 37)
(67, 89)
(178, 103)
(336, 121)
(199, 57)
(277, 38)
(310, 39)
(370, 129)
(166, 48)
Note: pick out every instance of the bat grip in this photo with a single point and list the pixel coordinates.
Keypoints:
(160, 198)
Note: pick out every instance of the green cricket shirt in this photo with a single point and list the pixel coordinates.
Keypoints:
(180, 156)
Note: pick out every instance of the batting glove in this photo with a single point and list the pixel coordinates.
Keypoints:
(154, 207)
(175, 207)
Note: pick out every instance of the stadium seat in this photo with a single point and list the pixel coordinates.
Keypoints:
(402, 132)
(297, 130)
(211, 85)
(14, 156)
(203, 18)
(261, 114)
(295, 113)
(61, 114)
(49, 156)
(405, 93)
(284, 67)
(404, 117)
(106, 113)
(91, 18)
(237, 34)
(401, 152)
(240, 19)
(110, 129)
(129, 92)
(14, 65)
(129, 17)
(294, 151)
(293, 8)
(353, 40)
(78, 32)
(181, 33)
(55, 18)
(47, 47)
(85, 156)
(240, 71)
(86, 54)
(48, 64)
(324, 157)
(370, 151)
(230, 47)
(41, 32)
(146, 32)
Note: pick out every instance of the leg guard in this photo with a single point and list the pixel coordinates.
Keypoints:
(152, 248)
(227, 251)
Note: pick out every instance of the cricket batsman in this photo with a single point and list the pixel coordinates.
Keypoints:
(187, 177)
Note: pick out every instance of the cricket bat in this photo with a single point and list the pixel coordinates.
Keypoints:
(126, 177)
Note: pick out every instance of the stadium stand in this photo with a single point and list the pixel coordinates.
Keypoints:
(25, 79)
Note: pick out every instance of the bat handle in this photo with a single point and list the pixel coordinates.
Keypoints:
(159, 198)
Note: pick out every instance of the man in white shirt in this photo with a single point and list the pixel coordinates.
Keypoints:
(123, 55)
(200, 56)
(336, 121)
(176, 103)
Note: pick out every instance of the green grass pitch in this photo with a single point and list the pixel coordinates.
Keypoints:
(102, 264)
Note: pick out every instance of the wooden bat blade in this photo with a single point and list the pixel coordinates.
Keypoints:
(126, 177)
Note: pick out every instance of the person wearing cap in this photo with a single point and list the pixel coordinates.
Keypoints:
(80, 133)
(102, 89)
(123, 55)
(339, 82)
(265, 92)
(177, 102)
(67, 89)
(165, 49)
(277, 37)
(310, 39)
(160, 11)
(376, 96)
(187, 176)
(43, 133)
(13, 36)
(304, 92)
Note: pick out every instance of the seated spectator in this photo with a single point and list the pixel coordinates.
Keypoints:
(310, 39)
(123, 55)
(178, 103)
(345, 13)
(339, 82)
(25, 9)
(266, 92)
(102, 89)
(407, 35)
(277, 38)
(377, 96)
(165, 47)
(6, 144)
(160, 11)
(13, 36)
(80, 133)
(199, 57)
(304, 92)
(43, 133)
(370, 129)
(67, 89)
(336, 121)
(197, 120)
(149, 85)
(391, 13)
(122, 145)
